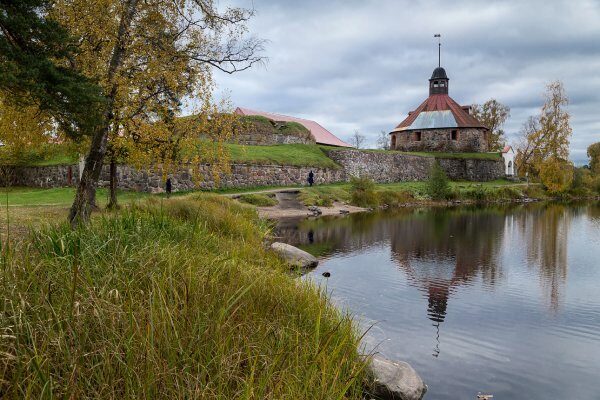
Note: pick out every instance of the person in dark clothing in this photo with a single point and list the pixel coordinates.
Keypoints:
(169, 187)
(311, 178)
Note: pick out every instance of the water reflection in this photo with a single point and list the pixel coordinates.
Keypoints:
(485, 278)
(441, 249)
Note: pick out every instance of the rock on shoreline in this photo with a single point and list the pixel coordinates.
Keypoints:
(294, 256)
(395, 380)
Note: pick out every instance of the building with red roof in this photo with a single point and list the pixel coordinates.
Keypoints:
(440, 123)
(320, 134)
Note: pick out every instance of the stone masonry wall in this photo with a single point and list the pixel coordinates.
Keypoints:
(251, 139)
(382, 167)
(255, 134)
(467, 140)
(129, 178)
(386, 167)
(43, 177)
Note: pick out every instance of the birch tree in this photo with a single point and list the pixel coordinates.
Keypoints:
(546, 137)
(151, 58)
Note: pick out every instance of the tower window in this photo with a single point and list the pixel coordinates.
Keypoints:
(454, 135)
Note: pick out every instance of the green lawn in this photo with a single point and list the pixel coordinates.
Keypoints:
(283, 154)
(20, 196)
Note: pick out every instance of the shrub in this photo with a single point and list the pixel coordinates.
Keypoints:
(258, 199)
(478, 193)
(363, 192)
(438, 186)
(556, 175)
(394, 198)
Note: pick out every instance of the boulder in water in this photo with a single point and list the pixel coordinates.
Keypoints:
(395, 380)
(294, 256)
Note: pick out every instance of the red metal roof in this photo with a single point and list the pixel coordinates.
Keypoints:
(441, 102)
(320, 134)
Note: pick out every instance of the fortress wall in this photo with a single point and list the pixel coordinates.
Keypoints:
(382, 167)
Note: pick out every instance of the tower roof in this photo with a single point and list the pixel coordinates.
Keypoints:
(438, 111)
(439, 73)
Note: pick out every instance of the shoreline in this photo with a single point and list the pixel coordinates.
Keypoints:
(301, 211)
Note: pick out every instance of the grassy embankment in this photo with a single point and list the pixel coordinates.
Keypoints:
(167, 299)
(258, 199)
(395, 194)
(283, 154)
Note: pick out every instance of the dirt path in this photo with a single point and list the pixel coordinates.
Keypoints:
(275, 190)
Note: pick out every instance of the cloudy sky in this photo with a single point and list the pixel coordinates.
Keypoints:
(363, 65)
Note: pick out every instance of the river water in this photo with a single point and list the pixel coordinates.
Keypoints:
(501, 300)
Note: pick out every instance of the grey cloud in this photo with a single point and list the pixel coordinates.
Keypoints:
(364, 64)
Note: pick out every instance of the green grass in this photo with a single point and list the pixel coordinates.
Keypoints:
(395, 194)
(168, 299)
(258, 199)
(477, 156)
(325, 195)
(284, 154)
(20, 196)
(277, 127)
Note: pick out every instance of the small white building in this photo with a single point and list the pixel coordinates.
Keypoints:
(508, 155)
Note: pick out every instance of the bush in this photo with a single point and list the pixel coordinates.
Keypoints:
(258, 199)
(477, 193)
(556, 175)
(393, 198)
(363, 192)
(438, 186)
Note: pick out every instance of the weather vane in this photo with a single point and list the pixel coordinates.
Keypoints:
(437, 35)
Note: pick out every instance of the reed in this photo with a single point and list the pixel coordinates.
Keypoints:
(168, 299)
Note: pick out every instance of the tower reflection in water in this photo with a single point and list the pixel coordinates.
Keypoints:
(441, 250)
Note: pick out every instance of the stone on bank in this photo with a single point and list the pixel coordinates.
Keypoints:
(294, 256)
(393, 380)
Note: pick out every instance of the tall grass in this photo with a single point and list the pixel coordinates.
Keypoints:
(173, 299)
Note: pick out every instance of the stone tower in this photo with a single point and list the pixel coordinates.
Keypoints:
(440, 123)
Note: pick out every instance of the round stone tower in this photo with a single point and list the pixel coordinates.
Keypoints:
(440, 124)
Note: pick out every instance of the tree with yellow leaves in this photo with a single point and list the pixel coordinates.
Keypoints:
(556, 174)
(493, 114)
(150, 57)
(22, 128)
(544, 150)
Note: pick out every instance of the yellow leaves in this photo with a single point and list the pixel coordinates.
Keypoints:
(22, 128)
(547, 136)
(556, 174)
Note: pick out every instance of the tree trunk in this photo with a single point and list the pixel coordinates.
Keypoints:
(112, 201)
(86, 191)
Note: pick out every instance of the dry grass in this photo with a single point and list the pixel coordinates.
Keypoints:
(167, 299)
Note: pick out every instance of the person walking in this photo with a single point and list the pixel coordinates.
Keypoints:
(311, 178)
(168, 187)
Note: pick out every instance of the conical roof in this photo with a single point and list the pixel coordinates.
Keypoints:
(437, 112)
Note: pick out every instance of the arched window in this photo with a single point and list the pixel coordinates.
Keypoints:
(510, 168)
(393, 142)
